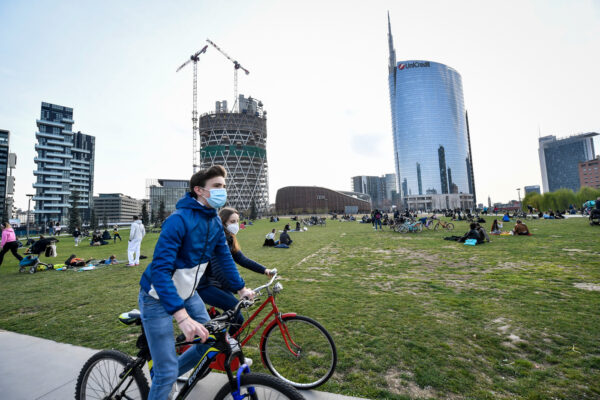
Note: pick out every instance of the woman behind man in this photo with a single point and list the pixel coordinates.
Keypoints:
(214, 288)
(9, 242)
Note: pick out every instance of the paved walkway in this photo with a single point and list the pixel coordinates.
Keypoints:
(32, 368)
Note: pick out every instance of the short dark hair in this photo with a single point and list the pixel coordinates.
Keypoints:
(135, 217)
(200, 177)
(473, 225)
(519, 221)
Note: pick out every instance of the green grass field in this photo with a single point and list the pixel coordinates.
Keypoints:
(413, 316)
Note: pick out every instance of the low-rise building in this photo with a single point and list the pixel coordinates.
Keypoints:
(116, 207)
(317, 200)
(589, 173)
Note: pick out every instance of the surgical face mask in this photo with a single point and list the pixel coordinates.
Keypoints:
(233, 228)
(217, 198)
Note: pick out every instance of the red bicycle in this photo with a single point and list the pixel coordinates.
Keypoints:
(294, 348)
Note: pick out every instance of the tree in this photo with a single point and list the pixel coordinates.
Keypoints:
(74, 216)
(105, 221)
(145, 220)
(161, 213)
(153, 218)
(93, 220)
(253, 211)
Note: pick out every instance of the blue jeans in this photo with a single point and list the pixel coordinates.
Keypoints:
(377, 222)
(224, 300)
(158, 325)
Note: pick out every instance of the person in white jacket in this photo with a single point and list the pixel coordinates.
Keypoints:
(136, 234)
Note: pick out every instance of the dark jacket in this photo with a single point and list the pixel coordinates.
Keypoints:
(472, 234)
(215, 276)
(284, 238)
(190, 237)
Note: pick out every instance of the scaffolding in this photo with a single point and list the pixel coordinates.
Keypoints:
(238, 141)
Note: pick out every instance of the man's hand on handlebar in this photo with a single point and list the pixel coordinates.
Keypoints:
(270, 272)
(189, 327)
(247, 293)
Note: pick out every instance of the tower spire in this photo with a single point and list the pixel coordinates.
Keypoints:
(391, 45)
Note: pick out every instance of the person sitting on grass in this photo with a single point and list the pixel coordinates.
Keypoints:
(287, 227)
(520, 229)
(496, 228)
(106, 235)
(473, 233)
(482, 233)
(284, 238)
(97, 239)
(506, 217)
(270, 239)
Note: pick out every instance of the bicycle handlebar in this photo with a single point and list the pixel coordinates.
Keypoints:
(258, 289)
(219, 323)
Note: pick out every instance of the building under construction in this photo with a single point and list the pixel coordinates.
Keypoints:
(237, 140)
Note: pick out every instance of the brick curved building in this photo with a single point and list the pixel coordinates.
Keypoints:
(317, 200)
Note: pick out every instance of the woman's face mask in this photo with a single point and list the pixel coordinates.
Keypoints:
(233, 228)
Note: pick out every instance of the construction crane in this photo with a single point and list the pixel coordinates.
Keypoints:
(236, 66)
(194, 58)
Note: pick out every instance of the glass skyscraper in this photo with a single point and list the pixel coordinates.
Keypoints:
(430, 128)
(560, 158)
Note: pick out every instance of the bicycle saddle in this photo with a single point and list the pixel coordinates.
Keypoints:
(131, 317)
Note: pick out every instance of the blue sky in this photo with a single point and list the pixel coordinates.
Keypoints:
(320, 69)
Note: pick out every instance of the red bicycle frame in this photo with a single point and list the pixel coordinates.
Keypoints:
(218, 363)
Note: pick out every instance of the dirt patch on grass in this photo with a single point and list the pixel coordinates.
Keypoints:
(400, 382)
(587, 286)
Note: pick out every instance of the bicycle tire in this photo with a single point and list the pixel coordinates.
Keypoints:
(437, 225)
(314, 365)
(449, 226)
(265, 386)
(403, 229)
(108, 364)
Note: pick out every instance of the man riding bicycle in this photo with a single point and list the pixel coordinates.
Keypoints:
(189, 238)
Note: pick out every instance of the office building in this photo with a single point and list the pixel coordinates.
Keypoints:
(589, 173)
(65, 165)
(430, 131)
(167, 191)
(237, 140)
(292, 200)
(8, 162)
(116, 207)
(559, 160)
(532, 189)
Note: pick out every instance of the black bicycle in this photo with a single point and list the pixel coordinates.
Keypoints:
(114, 375)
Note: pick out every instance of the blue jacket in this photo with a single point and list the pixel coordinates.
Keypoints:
(189, 238)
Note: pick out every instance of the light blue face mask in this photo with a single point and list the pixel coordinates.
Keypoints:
(217, 198)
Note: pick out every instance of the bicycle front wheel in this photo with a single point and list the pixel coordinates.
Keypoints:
(301, 352)
(260, 386)
(99, 377)
(449, 226)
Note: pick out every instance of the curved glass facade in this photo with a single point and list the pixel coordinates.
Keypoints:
(431, 145)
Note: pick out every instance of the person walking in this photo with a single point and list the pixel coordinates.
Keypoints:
(77, 236)
(136, 234)
(9, 242)
(57, 229)
(116, 234)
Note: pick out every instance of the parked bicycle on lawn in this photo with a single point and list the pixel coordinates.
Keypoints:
(409, 226)
(294, 348)
(113, 375)
(443, 225)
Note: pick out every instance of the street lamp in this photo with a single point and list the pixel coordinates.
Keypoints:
(519, 193)
(28, 208)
